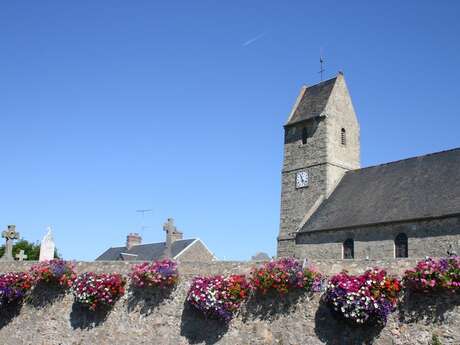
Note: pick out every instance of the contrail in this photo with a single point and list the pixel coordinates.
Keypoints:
(252, 40)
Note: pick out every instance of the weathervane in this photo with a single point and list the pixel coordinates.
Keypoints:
(321, 63)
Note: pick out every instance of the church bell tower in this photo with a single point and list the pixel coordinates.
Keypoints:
(321, 143)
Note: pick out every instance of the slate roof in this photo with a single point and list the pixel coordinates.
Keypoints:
(144, 252)
(313, 101)
(420, 187)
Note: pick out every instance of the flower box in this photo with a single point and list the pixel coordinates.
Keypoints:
(54, 272)
(434, 275)
(98, 290)
(285, 275)
(14, 286)
(159, 274)
(366, 298)
(218, 297)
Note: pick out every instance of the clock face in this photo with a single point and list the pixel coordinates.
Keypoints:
(301, 179)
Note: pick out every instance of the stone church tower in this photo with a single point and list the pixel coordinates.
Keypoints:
(321, 143)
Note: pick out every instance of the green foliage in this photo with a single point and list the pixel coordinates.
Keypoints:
(435, 340)
(32, 250)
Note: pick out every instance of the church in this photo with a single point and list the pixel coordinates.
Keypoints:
(331, 208)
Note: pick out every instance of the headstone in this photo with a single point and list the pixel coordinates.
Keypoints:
(305, 263)
(260, 256)
(21, 256)
(9, 235)
(47, 247)
(451, 251)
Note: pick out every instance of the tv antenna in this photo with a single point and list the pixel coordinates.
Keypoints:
(321, 64)
(143, 212)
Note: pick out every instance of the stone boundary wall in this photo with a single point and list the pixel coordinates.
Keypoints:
(190, 269)
(47, 318)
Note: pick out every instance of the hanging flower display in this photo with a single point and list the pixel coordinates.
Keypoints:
(14, 286)
(283, 276)
(369, 297)
(218, 297)
(161, 274)
(56, 272)
(94, 290)
(430, 275)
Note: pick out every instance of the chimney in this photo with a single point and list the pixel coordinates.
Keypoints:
(172, 235)
(133, 239)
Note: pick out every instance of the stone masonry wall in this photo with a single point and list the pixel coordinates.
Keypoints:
(47, 319)
(323, 157)
(430, 237)
(341, 114)
(295, 203)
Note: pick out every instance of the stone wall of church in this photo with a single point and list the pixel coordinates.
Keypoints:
(156, 319)
(425, 238)
(295, 203)
(341, 115)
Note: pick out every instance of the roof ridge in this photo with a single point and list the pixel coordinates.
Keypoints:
(407, 159)
(147, 244)
(321, 82)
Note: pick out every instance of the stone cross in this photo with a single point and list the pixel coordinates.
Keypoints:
(9, 235)
(169, 226)
(21, 256)
(170, 229)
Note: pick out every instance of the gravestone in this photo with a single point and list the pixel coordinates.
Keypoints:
(47, 247)
(9, 235)
(21, 256)
(260, 256)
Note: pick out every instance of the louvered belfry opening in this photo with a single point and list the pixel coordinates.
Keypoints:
(304, 135)
(343, 136)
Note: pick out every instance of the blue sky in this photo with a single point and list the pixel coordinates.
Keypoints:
(111, 106)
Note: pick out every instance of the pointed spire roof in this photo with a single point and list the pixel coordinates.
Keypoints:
(312, 101)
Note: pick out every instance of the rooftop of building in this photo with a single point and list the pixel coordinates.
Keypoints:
(426, 186)
(145, 252)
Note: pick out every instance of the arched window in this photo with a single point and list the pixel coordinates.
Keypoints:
(348, 249)
(343, 137)
(401, 248)
(304, 135)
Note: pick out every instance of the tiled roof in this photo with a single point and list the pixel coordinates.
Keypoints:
(415, 188)
(144, 252)
(312, 102)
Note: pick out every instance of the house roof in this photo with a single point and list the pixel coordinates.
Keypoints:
(415, 188)
(144, 252)
(312, 101)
